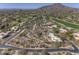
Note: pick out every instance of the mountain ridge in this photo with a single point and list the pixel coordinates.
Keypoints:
(57, 9)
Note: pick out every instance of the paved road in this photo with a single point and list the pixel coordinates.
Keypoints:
(39, 49)
(74, 45)
(14, 36)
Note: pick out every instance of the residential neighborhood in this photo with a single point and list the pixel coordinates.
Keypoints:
(48, 30)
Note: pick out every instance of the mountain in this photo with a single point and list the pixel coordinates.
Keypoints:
(57, 9)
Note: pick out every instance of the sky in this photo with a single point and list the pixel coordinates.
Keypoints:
(32, 5)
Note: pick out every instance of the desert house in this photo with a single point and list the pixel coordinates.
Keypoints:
(76, 36)
(54, 38)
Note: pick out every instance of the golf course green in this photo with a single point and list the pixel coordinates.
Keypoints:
(68, 24)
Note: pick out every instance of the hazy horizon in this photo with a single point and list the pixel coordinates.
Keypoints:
(32, 5)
